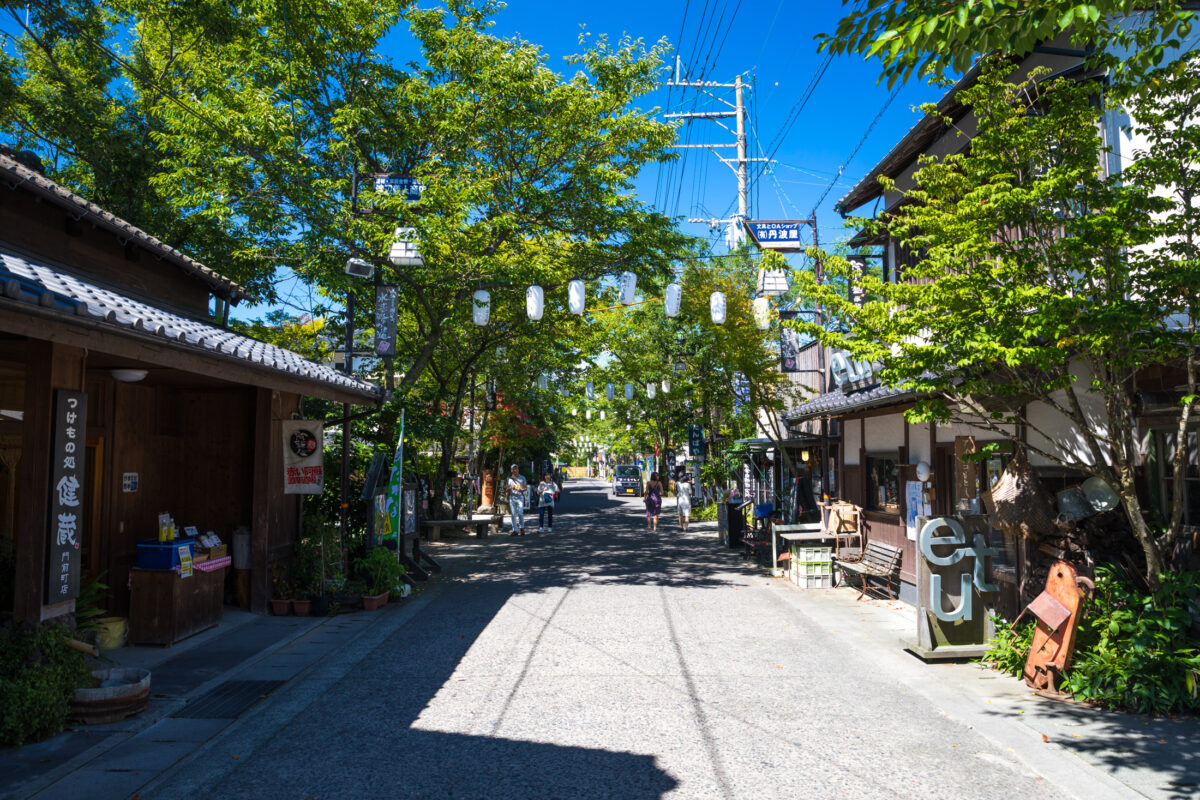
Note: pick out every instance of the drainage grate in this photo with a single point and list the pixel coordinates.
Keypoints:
(228, 700)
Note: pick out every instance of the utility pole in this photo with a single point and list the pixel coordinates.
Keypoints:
(737, 110)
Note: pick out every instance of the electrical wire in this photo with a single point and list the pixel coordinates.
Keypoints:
(857, 147)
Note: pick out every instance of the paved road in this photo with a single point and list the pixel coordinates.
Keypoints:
(601, 662)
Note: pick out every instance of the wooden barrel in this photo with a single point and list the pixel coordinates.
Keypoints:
(123, 692)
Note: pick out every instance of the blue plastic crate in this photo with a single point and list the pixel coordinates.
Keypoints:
(153, 554)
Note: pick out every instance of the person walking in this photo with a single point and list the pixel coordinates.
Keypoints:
(683, 499)
(654, 490)
(516, 500)
(546, 490)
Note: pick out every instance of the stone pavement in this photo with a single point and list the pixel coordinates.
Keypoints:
(601, 661)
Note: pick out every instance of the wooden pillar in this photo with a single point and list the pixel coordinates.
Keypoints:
(48, 366)
(264, 442)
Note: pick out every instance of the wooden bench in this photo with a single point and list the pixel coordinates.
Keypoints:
(480, 525)
(879, 560)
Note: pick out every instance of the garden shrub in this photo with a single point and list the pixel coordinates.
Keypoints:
(38, 676)
(1009, 649)
(1135, 650)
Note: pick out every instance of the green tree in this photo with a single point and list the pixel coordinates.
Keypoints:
(1032, 263)
(933, 37)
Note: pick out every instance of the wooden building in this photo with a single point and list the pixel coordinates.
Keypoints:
(183, 415)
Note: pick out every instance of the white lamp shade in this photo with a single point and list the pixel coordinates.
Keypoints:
(666, 387)
(628, 287)
(762, 312)
(608, 391)
(589, 389)
(772, 282)
(576, 296)
(716, 307)
(535, 302)
(629, 391)
(651, 390)
(404, 251)
(671, 301)
(481, 310)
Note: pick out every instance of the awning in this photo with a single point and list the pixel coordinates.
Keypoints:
(764, 444)
(33, 294)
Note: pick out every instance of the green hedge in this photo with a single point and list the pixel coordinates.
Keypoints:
(38, 676)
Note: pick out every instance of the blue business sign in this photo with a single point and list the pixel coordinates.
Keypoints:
(406, 186)
(776, 234)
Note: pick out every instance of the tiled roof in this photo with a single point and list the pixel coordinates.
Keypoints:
(36, 284)
(835, 403)
(15, 175)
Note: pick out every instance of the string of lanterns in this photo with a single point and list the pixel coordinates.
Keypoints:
(535, 300)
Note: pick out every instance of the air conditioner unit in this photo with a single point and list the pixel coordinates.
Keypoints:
(359, 268)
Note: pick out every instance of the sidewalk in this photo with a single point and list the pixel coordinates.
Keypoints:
(198, 688)
(1088, 753)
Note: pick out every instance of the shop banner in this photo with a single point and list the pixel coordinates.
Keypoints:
(396, 481)
(303, 456)
(385, 320)
(65, 527)
(789, 343)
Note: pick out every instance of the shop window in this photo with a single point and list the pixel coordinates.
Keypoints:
(1191, 475)
(883, 483)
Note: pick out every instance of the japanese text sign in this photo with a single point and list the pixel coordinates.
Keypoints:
(303, 456)
(65, 523)
(776, 234)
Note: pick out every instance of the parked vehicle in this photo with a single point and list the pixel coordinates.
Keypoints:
(627, 479)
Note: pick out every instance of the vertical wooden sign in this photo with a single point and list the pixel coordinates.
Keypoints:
(65, 523)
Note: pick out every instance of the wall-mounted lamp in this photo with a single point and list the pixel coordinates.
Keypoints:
(804, 456)
(127, 375)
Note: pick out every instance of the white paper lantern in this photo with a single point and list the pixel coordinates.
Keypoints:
(589, 390)
(651, 390)
(629, 391)
(574, 412)
(628, 287)
(608, 391)
(601, 413)
(666, 387)
(576, 296)
(716, 307)
(481, 311)
(762, 312)
(404, 251)
(535, 301)
(671, 301)
(588, 414)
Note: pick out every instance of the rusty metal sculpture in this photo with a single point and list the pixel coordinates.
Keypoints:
(1057, 610)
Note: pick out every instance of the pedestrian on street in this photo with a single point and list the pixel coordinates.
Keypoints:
(654, 490)
(516, 500)
(683, 499)
(546, 490)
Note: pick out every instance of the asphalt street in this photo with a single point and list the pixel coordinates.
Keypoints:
(601, 661)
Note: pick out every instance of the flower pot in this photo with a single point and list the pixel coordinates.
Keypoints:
(374, 602)
(302, 608)
(123, 692)
(280, 607)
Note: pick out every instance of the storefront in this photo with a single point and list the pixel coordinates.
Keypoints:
(122, 397)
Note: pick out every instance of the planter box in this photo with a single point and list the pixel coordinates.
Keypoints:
(123, 692)
(374, 602)
(302, 608)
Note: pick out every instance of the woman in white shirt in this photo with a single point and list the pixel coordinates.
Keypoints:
(545, 492)
(683, 500)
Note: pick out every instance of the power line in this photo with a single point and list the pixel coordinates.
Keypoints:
(857, 147)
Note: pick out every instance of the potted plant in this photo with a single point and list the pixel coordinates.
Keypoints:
(281, 592)
(383, 573)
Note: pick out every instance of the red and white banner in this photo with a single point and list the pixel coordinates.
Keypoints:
(303, 451)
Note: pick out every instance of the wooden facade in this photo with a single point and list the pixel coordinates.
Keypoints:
(202, 431)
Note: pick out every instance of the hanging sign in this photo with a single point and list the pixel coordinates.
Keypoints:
(789, 344)
(66, 495)
(185, 561)
(776, 234)
(385, 320)
(303, 456)
(846, 373)
(406, 186)
(695, 440)
(669, 462)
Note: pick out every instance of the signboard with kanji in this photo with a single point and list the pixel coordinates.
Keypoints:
(404, 185)
(303, 456)
(776, 234)
(65, 523)
(695, 441)
(385, 320)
